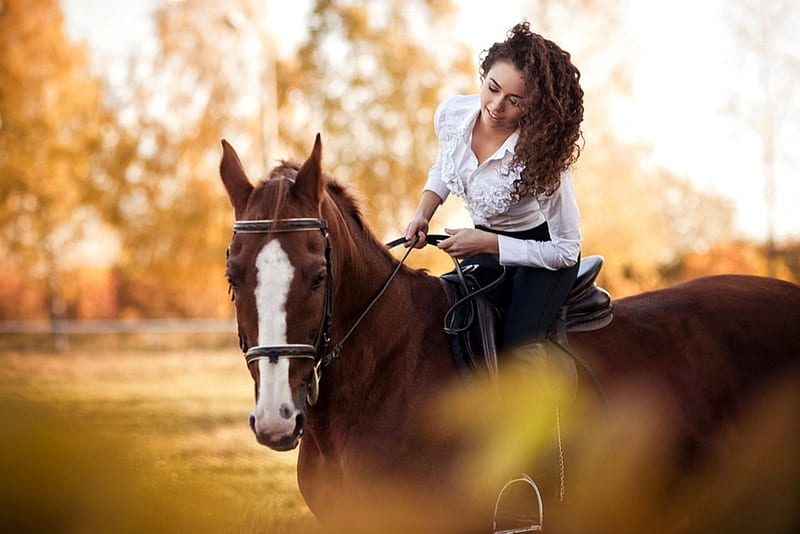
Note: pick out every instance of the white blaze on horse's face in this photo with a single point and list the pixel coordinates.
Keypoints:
(275, 414)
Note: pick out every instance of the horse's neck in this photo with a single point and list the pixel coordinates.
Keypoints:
(384, 357)
(362, 266)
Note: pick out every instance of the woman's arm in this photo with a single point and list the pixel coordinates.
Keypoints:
(563, 220)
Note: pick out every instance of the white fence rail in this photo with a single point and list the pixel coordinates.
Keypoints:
(119, 326)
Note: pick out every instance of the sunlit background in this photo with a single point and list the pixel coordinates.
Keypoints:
(693, 68)
(688, 165)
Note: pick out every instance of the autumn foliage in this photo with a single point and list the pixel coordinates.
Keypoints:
(110, 201)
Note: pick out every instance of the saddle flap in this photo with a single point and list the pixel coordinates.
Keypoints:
(472, 321)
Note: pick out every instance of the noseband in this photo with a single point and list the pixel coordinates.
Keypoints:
(274, 353)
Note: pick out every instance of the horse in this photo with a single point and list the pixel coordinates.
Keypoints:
(346, 350)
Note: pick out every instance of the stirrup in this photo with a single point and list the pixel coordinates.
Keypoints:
(517, 520)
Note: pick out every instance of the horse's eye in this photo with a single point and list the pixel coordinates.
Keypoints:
(319, 279)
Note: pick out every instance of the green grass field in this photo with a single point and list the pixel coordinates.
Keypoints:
(135, 441)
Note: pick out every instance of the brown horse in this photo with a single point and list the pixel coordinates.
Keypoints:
(305, 270)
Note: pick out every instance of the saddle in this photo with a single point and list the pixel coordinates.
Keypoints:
(474, 320)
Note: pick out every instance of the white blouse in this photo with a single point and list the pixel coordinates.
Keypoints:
(486, 191)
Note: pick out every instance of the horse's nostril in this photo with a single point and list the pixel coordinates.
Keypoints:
(285, 411)
(252, 422)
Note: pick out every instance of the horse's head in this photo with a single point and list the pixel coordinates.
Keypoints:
(279, 269)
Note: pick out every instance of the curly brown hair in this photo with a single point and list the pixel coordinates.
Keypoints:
(549, 128)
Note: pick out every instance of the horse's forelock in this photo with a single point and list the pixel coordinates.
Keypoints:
(272, 194)
(286, 169)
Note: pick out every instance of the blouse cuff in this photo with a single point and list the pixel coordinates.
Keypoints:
(512, 251)
(436, 185)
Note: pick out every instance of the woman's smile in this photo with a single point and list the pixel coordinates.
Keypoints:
(501, 96)
(492, 116)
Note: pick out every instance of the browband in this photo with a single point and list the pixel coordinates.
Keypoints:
(279, 225)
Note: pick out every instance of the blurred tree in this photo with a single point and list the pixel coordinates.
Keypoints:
(767, 50)
(162, 160)
(739, 257)
(50, 129)
(370, 77)
(636, 214)
(640, 217)
(174, 105)
(791, 256)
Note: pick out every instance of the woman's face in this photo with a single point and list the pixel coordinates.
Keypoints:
(502, 93)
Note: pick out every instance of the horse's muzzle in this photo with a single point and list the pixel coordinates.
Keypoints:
(279, 442)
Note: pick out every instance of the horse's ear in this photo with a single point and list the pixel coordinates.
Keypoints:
(234, 179)
(309, 182)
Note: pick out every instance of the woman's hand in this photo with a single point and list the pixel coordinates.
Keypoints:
(467, 242)
(418, 227)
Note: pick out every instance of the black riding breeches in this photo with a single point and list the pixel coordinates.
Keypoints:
(530, 296)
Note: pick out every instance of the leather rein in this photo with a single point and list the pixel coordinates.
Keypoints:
(317, 352)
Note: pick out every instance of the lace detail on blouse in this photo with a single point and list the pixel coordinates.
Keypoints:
(488, 195)
(448, 141)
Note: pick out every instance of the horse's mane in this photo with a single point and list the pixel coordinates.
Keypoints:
(347, 203)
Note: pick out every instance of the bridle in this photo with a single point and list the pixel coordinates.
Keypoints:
(317, 352)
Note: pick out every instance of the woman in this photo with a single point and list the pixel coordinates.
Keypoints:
(507, 153)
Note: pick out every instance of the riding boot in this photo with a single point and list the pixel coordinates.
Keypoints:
(550, 364)
(544, 378)
(534, 354)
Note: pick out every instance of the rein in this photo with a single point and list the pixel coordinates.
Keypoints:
(318, 352)
(449, 316)
(337, 349)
